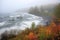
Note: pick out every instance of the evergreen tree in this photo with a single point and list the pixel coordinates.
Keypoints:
(57, 14)
(57, 11)
(33, 25)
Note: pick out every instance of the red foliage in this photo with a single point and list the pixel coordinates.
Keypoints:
(58, 27)
(48, 31)
(32, 36)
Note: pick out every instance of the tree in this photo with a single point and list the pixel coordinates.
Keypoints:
(40, 11)
(34, 10)
(57, 11)
(33, 25)
(56, 17)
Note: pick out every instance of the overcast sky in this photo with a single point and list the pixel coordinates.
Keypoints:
(12, 5)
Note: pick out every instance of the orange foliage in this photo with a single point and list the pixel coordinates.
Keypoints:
(55, 28)
(48, 31)
(32, 36)
(51, 30)
(59, 27)
(52, 24)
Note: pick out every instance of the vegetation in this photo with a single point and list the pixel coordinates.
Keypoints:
(41, 11)
(50, 32)
(57, 11)
(57, 14)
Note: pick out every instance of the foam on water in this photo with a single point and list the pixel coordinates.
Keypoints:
(21, 24)
(2, 23)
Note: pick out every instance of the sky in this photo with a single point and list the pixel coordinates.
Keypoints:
(7, 6)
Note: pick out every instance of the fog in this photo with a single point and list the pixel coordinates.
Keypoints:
(7, 6)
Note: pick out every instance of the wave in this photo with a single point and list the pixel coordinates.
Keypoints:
(20, 22)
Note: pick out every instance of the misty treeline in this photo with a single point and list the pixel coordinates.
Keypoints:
(45, 11)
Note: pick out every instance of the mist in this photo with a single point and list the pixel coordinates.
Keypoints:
(8, 6)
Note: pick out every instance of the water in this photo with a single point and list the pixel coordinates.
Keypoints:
(19, 21)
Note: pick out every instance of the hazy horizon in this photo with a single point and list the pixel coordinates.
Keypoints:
(7, 6)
